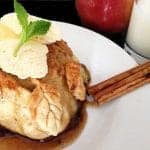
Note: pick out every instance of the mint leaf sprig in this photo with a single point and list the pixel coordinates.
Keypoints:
(29, 29)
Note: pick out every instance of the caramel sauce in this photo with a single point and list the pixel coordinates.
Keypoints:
(13, 141)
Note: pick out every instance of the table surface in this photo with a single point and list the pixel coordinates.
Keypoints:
(60, 10)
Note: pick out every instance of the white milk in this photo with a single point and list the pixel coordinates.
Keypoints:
(138, 35)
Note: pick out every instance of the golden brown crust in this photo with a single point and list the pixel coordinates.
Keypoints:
(62, 62)
(75, 80)
(46, 105)
(59, 54)
(7, 80)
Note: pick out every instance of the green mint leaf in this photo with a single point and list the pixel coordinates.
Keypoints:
(39, 27)
(29, 29)
(21, 13)
(22, 40)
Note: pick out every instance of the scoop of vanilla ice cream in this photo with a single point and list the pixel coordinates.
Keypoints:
(10, 20)
(6, 32)
(31, 60)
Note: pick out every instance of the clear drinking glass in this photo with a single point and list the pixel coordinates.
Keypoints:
(138, 34)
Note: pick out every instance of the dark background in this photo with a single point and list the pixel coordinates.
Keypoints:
(60, 10)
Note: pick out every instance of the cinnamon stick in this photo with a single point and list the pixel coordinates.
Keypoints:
(121, 91)
(125, 81)
(94, 89)
(121, 84)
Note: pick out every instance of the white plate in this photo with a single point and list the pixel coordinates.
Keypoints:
(123, 124)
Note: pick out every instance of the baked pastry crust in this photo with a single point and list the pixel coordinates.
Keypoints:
(39, 108)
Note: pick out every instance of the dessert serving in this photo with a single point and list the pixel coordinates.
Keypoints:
(44, 87)
(41, 81)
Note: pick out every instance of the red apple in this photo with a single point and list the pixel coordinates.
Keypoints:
(105, 15)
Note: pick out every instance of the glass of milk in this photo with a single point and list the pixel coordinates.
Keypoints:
(138, 34)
